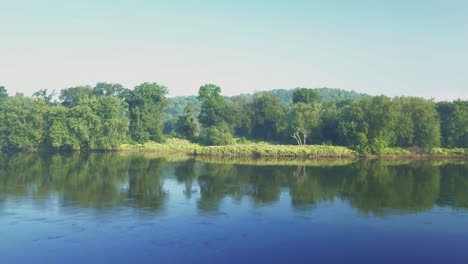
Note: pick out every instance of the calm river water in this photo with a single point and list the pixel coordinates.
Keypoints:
(141, 208)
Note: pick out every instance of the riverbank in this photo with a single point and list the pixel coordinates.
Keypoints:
(270, 150)
(241, 150)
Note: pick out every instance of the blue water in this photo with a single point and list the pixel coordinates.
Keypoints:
(40, 222)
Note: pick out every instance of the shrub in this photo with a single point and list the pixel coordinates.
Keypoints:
(213, 136)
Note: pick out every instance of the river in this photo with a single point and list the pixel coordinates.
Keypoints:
(145, 208)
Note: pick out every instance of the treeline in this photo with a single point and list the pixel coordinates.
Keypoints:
(107, 115)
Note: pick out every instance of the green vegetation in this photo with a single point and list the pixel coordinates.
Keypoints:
(322, 122)
(240, 149)
(449, 152)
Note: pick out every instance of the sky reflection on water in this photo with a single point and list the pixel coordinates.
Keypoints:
(120, 208)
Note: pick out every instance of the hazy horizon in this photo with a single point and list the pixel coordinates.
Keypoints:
(392, 48)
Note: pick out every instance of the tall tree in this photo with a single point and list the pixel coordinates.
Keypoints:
(84, 124)
(72, 96)
(404, 130)
(454, 123)
(187, 124)
(267, 114)
(113, 114)
(426, 123)
(57, 130)
(147, 103)
(368, 124)
(21, 123)
(213, 106)
(304, 118)
(3, 93)
(215, 111)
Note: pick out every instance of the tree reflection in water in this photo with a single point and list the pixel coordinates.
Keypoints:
(105, 181)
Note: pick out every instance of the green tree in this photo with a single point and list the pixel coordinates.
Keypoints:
(21, 123)
(329, 124)
(84, 124)
(306, 96)
(454, 123)
(147, 103)
(213, 108)
(266, 115)
(426, 123)
(72, 96)
(3, 93)
(244, 108)
(304, 119)
(114, 120)
(187, 125)
(57, 129)
(44, 94)
(404, 130)
(367, 125)
(110, 89)
(219, 118)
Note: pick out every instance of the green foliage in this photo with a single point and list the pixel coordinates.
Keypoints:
(329, 124)
(426, 124)
(45, 95)
(104, 116)
(72, 96)
(449, 152)
(216, 136)
(325, 94)
(454, 123)
(215, 111)
(147, 102)
(94, 123)
(404, 129)
(218, 117)
(306, 96)
(304, 119)
(265, 111)
(114, 122)
(21, 123)
(57, 130)
(84, 124)
(374, 123)
(187, 125)
(367, 124)
(110, 89)
(3, 93)
(213, 105)
(177, 106)
(243, 149)
(262, 149)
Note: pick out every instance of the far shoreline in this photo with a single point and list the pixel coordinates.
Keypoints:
(265, 150)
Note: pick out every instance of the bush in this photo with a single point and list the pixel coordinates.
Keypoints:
(213, 136)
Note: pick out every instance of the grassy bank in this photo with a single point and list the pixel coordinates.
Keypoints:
(249, 149)
(269, 150)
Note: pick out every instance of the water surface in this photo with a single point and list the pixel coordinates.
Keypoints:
(140, 208)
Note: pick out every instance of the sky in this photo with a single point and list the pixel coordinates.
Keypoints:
(399, 47)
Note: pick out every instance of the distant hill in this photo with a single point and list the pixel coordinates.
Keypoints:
(327, 94)
(178, 103)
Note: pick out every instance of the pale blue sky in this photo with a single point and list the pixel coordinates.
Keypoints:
(417, 48)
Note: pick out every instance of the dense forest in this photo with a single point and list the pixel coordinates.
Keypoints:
(106, 115)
